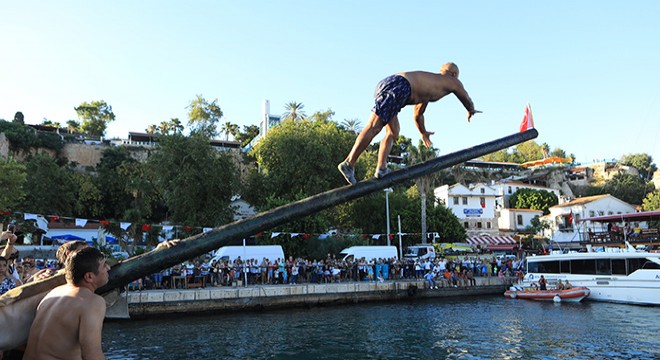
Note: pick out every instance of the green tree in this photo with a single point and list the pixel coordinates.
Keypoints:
(629, 188)
(402, 146)
(300, 157)
(151, 129)
(249, 132)
(545, 149)
(88, 198)
(536, 227)
(498, 156)
(557, 152)
(529, 151)
(95, 117)
(352, 125)
(195, 182)
(533, 199)
(113, 186)
(417, 155)
(72, 126)
(47, 122)
(229, 129)
(140, 188)
(440, 219)
(19, 118)
(321, 116)
(175, 126)
(294, 111)
(50, 187)
(12, 182)
(204, 116)
(643, 162)
(651, 201)
(444, 222)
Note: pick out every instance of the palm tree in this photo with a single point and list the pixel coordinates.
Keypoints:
(151, 129)
(417, 155)
(228, 128)
(164, 127)
(176, 126)
(352, 125)
(294, 111)
(545, 148)
(47, 122)
(72, 126)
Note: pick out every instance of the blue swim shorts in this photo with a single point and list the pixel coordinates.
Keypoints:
(391, 96)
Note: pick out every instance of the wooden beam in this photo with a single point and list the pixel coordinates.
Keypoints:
(154, 261)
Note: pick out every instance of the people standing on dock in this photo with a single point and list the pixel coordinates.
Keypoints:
(416, 88)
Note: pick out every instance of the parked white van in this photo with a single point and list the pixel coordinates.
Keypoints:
(421, 251)
(368, 252)
(258, 252)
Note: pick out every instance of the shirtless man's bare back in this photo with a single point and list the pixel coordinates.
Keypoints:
(416, 88)
(69, 320)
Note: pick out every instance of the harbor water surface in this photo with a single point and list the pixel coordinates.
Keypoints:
(491, 327)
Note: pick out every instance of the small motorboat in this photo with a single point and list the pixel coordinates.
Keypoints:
(574, 294)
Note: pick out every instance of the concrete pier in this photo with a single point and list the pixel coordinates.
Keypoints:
(149, 303)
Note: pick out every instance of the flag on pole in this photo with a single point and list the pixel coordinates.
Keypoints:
(528, 120)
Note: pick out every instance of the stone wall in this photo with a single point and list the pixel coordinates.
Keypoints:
(224, 299)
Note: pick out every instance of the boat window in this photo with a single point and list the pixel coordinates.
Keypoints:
(532, 267)
(635, 264)
(603, 267)
(551, 267)
(583, 267)
(650, 265)
(565, 267)
(619, 267)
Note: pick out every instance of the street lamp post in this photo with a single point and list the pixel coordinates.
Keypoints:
(387, 212)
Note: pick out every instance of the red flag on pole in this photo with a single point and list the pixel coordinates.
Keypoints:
(528, 120)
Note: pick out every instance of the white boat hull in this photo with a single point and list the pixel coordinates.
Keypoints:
(614, 289)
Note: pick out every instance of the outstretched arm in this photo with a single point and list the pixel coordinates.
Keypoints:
(418, 114)
(463, 96)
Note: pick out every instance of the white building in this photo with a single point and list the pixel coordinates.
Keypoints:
(474, 206)
(242, 209)
(508, 188)
(563, 218)
(516, 220)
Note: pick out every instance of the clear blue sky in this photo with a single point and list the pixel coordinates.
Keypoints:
(590, 69)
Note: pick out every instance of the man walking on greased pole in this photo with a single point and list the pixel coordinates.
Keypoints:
(416, 88)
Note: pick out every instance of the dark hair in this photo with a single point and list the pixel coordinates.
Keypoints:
(2, 258)
(81, 262)
(66, 249)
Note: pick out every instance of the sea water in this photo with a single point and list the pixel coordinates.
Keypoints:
(491, 327)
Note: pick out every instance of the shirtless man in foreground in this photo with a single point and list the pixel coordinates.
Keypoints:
(69, 319)
(416, 88)
(17, 316)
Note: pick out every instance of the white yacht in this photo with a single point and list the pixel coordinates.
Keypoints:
(612, 274)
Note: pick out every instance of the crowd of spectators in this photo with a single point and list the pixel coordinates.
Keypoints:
(440, 272)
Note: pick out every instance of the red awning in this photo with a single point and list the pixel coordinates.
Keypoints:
(501, 247)
(640, 216)
(491, 240)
